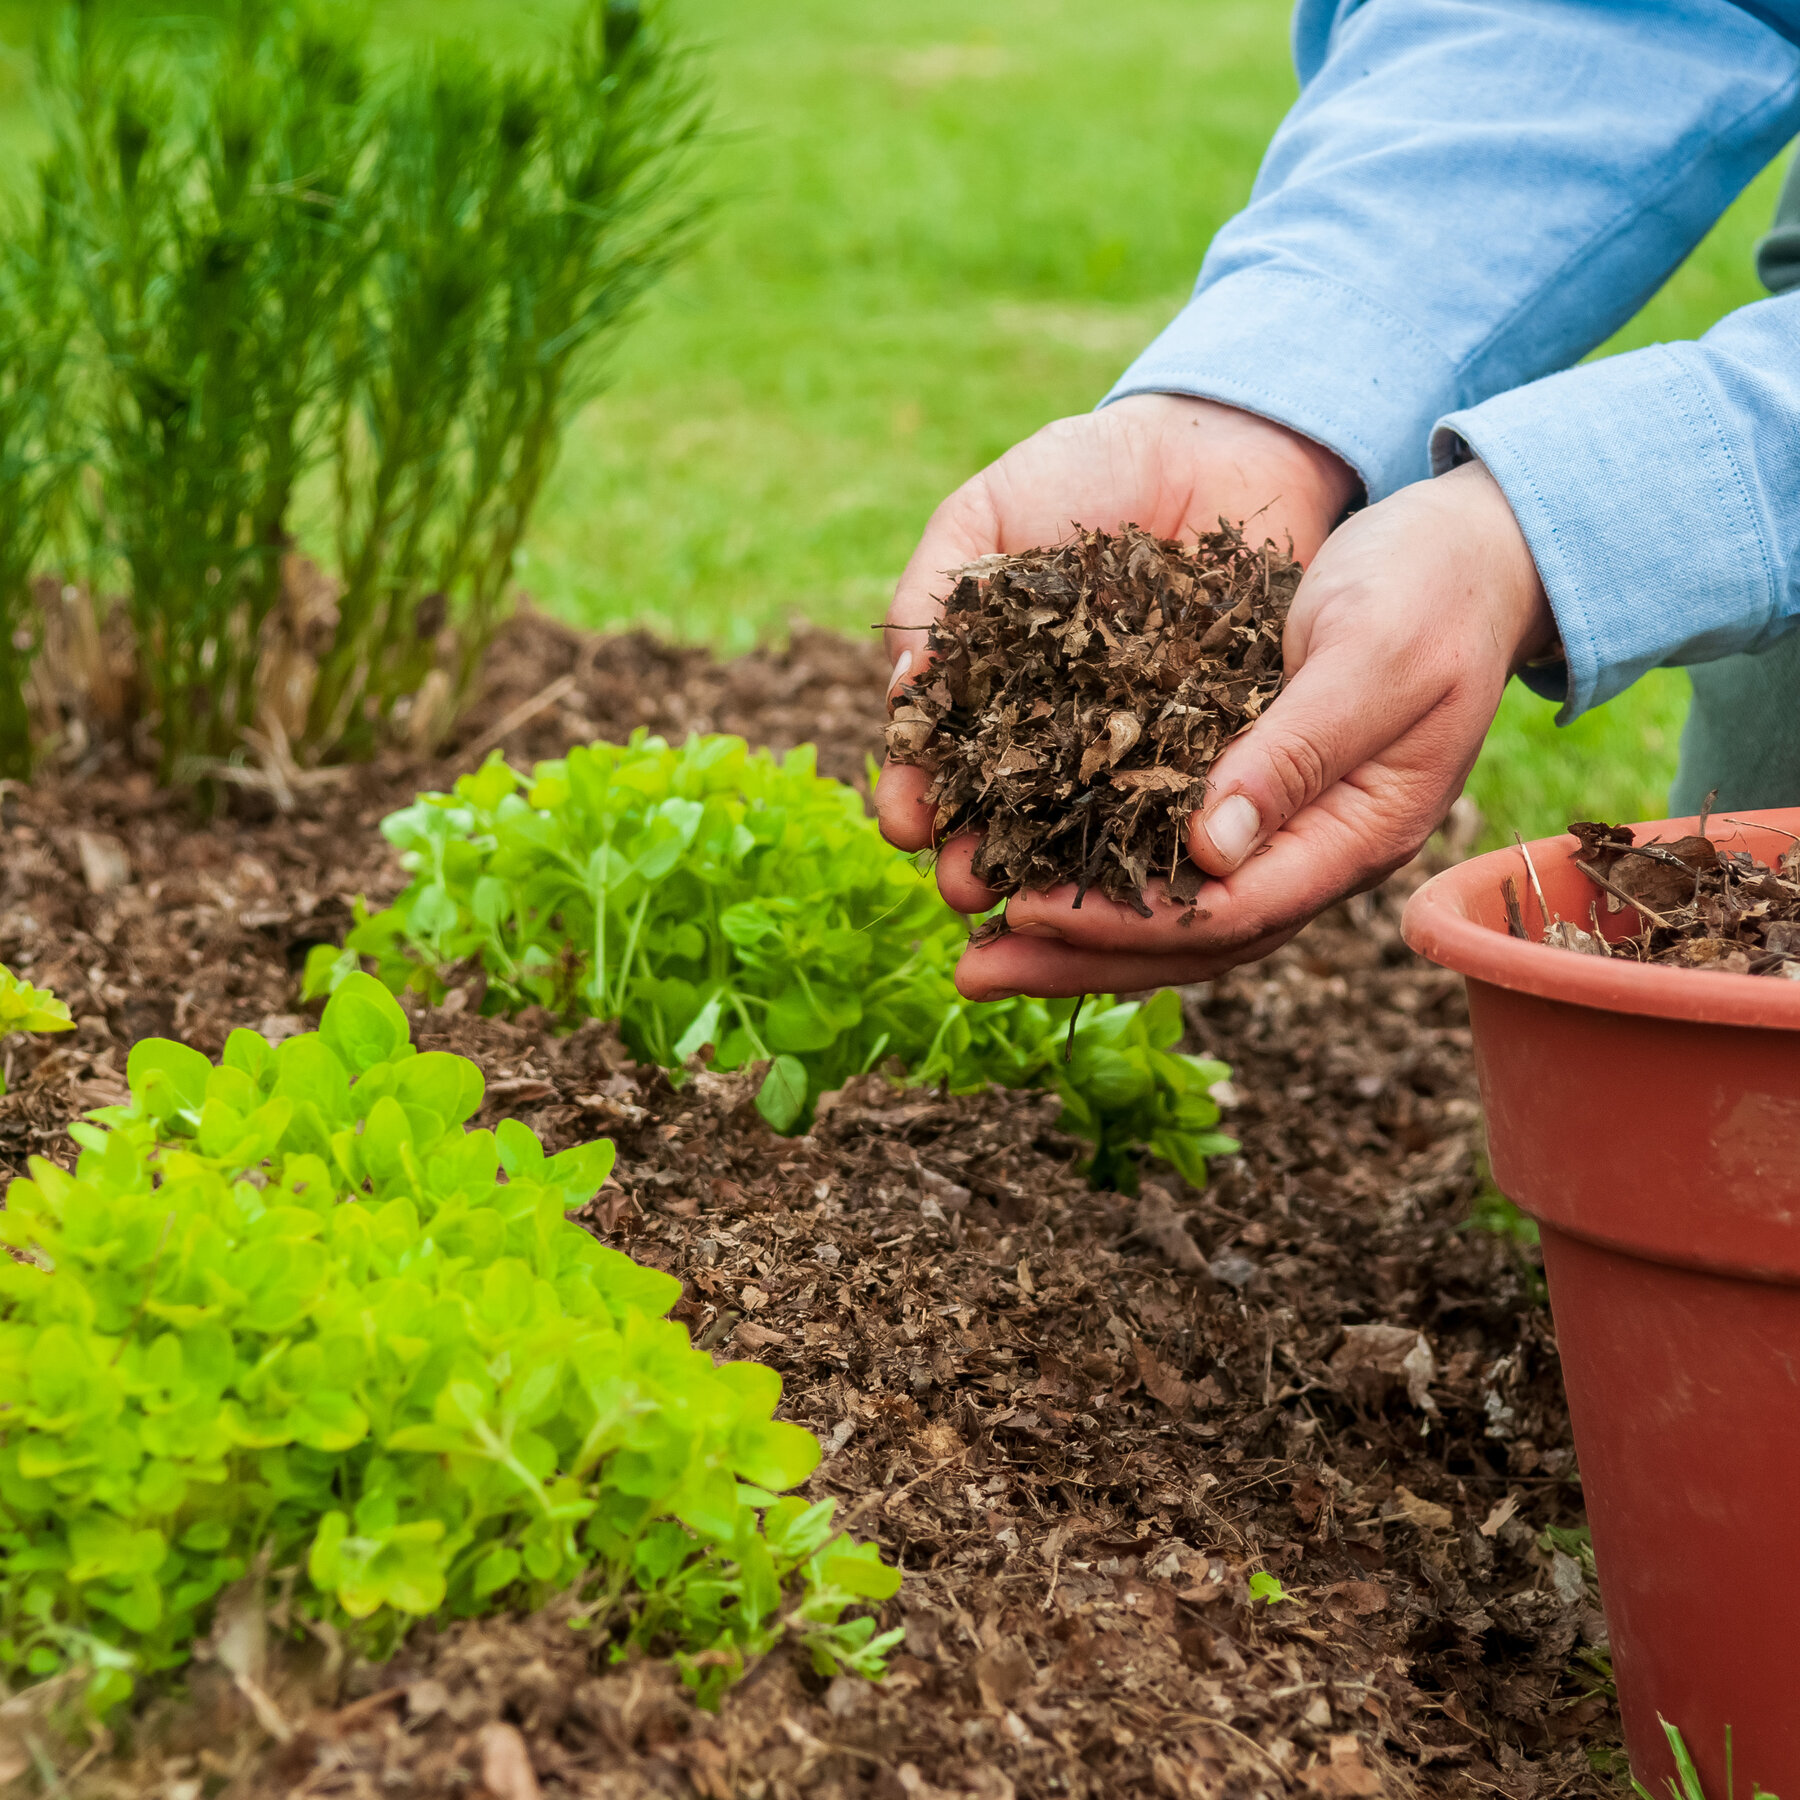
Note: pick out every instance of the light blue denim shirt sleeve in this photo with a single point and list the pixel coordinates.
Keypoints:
(1469, 194)
(1660, 494)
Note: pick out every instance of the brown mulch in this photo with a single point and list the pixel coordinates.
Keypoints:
(1081, 1424)
(1690, 904)
(1079, 693)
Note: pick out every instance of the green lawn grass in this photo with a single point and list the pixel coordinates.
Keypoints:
(941, 225)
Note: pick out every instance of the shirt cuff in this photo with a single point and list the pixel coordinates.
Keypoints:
(1312, 354)
(1638, 511)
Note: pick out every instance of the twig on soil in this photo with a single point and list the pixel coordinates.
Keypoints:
(1606, 949)
(1243, 1737)
(890, 1498)
(1537, 887)
(522, 714)
(1762, 825)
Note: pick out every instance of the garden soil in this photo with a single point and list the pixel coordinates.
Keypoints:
(1082, 1423)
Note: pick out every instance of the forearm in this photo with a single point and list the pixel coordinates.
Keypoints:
(1657, 492)
(1468, 195)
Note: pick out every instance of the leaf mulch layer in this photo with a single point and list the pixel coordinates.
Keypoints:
(1079, 694)
(1082, 1423)
(1695, 903)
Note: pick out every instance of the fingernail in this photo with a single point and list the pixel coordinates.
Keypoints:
(902, 668)
(1034, 928)
(1234, 825)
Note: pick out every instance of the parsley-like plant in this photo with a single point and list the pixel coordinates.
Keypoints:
(291, 1307)
(711, 895)
(27, 1008)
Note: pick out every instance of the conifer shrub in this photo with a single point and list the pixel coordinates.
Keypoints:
(312, 293)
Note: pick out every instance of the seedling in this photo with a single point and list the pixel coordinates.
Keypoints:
(291, 1305)
(1268, 1588)
(27, 1008)
(1685, 1783)
(710, 897)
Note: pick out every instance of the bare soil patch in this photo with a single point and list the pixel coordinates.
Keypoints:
(1082, 1424)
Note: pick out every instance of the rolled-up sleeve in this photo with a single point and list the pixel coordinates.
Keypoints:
(1468, 195)
(1660, 494)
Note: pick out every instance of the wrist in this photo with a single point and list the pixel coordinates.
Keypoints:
(1527, 625)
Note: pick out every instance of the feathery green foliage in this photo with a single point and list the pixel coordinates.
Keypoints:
(289, 1308)
(39, 444)
(405, 282)
(208, 204)
(518, 217)
(709, 895)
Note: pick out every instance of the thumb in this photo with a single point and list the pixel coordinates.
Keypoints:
(1333, 715)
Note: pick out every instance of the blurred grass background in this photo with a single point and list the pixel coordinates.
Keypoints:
(941, 226)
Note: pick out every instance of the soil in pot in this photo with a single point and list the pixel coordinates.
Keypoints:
(1079, 694)
(1695, 903)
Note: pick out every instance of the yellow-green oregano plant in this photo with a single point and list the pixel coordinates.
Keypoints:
(27, 1008)
(708, 894)
(292, 1306)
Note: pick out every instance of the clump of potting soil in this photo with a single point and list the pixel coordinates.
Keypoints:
(1697, 905)
(1081, 692)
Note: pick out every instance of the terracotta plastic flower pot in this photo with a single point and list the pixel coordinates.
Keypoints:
(1649, 1120)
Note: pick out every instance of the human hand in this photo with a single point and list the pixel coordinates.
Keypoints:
(1171, 464)
(1397, 649)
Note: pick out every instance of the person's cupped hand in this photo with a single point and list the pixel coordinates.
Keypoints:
(1398, 647)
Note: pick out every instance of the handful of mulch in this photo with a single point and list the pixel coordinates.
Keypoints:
(1698, 906)
(1079, 695)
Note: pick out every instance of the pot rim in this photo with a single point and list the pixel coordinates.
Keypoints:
(1437, 923)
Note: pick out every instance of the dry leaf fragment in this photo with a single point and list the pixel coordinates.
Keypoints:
(1427, 1515)
(1357, 1599)
(1374, 1358)
(506, 1770)
(105, 863)
(1160, 1381)
(1159, 1227)
(1345, 1774)
(1162, 780)
(1003, 1674)
(1503, 1510)
(753, 1337)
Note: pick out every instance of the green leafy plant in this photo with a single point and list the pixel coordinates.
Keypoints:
(211, 212)
(1685, 1784)
(518, 217)
(372, 301)
(27, 1008)
(1268, 1588)
(39, 442)
(291, 1308)
(706, 895)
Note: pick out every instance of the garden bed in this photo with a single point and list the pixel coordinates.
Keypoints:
(1081, 1423)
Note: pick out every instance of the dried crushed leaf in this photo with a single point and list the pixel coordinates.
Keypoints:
(1695, 904)
(1081, 692)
